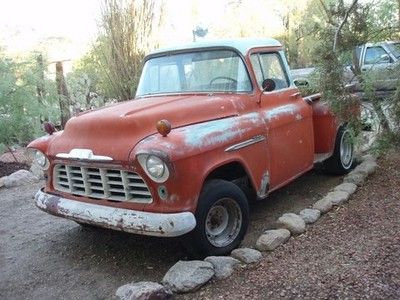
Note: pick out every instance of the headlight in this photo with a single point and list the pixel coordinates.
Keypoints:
(154, 167)
(41, 159)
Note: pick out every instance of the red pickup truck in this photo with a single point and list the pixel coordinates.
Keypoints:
(210, 121)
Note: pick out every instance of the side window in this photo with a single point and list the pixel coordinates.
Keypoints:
(376, 55)
(269, 66)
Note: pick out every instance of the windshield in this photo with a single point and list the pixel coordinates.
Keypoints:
(205, 71)
(395, 49)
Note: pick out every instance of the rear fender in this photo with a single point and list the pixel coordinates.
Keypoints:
(325, 128)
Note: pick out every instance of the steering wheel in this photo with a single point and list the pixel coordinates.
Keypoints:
(222, 77)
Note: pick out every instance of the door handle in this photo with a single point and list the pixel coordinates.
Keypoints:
(295, 96)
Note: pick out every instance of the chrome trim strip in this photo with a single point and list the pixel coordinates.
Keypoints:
(253, 140)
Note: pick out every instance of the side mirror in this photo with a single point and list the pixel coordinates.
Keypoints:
(385, 58)
(301, 82)
(268, 85)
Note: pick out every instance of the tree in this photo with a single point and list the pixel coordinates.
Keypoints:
(127, 27)
(20, 109)
(344, 27)
(63, 94)
(111, 69)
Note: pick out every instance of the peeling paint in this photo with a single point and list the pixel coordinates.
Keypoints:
(218, 131)
(262, 192)
(276, 113)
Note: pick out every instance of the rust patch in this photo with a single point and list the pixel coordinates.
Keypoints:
(52, 205)
(262, 192)
(120, 224)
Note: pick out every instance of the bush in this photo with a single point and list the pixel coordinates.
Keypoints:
(21, 110)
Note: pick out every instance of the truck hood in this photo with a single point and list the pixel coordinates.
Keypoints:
(114, 130)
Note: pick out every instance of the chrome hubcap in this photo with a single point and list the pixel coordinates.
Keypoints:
(346, 150)
(223, 222)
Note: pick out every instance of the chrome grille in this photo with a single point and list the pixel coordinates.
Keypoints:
(101, 183)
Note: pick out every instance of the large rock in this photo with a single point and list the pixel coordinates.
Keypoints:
(368, 157)
(367, 167)
(187, 276)
(2, 181)
(357, 178)
(223, 265)
(247, 255)
(271, 239)
(324, 205)
(347, 187)
(338, 197)
(19, 178)
(144, 290)
(310, 215)
(292, 222)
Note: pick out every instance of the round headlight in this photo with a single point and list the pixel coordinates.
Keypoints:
(41, 159)
(155, 166)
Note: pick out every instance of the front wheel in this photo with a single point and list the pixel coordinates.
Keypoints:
(222, 218)
(342, 158)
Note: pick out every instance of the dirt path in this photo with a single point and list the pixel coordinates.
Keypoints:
(352, 253)
(45, 257)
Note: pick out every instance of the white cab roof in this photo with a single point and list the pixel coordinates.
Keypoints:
(243, 45)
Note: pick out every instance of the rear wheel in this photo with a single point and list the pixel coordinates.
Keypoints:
(222, 218)
(342, 158)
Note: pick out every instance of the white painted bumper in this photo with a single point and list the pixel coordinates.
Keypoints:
(139, 222)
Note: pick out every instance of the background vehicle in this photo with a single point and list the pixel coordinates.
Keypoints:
(374, 61)
(210, 122)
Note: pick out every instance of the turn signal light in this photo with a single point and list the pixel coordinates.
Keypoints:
(163, 127)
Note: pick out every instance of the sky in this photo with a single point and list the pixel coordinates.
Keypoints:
(25, 25)
(68, 27)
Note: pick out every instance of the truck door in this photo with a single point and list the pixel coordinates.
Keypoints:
(288, 120)
(378, 65)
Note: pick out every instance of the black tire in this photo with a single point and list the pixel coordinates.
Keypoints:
(338, 163)
(216, 196)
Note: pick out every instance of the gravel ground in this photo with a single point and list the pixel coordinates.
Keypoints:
(353, 252)
(46, 257)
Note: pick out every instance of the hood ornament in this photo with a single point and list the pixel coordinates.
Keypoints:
(86, 154)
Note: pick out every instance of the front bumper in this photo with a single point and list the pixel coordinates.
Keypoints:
(139, 222)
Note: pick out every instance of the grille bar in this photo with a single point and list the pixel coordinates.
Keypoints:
(101, 183)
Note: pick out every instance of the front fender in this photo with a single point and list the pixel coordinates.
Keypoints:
(194, 151)
(42, 143)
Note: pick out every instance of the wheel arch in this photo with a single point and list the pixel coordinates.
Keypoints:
(230, 170)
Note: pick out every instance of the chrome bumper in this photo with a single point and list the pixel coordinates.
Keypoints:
(139, 222)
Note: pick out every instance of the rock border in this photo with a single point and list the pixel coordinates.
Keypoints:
(289, 224)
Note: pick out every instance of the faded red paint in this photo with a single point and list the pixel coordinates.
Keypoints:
(203, 127)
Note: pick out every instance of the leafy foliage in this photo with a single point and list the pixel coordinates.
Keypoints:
(20, 109)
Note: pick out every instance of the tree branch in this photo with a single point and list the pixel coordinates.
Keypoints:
(328, 15)
(335, 41)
